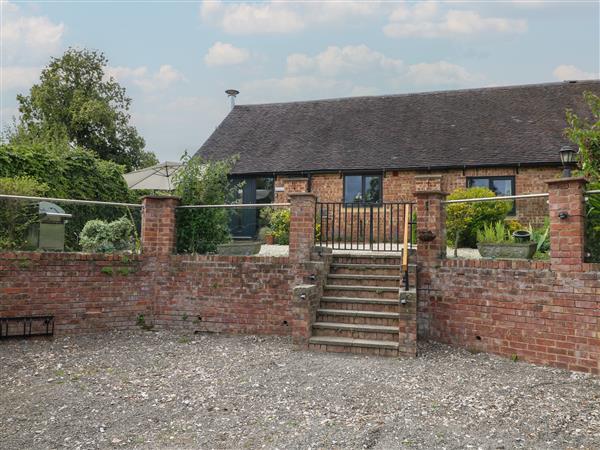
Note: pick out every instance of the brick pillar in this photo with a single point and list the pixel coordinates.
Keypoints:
(431, 220)
(567, 235)
(158, 225)
(302, 226)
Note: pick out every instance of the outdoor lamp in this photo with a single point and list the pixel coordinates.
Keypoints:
(568, 157)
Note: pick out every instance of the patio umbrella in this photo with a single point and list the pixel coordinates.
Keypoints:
(158, 177)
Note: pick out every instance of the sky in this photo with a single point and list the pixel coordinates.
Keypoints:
(177, 58)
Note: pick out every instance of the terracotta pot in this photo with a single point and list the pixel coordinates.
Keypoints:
(269, 239)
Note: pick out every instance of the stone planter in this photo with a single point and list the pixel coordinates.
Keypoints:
(239, 248)
(512, 250)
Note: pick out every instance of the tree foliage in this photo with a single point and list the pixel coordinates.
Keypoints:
(203, 182)
(69, 173)
(464, 219)
(17, 215)
(585, 133)
(75, 101)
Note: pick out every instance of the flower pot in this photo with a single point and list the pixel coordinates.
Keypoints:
(269, 239)
(509, 250)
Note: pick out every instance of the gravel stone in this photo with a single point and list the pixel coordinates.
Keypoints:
(167, 390)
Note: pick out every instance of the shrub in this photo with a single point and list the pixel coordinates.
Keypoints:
(280, 226)
(494, 233)
(464, 219)
(592, 225)
(99, 236)
(204, 183)
(17, 215)
(278, 223)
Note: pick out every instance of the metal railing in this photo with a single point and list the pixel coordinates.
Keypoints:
(372, 227)
(496, 199)
(69, 200)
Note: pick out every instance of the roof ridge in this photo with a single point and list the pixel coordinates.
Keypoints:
(425, 93)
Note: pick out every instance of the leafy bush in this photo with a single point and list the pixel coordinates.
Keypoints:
(280, 226)
(494, 233)
(99, 236)
(592, 225)
(464, 219)
(278, 222)
(17, 215)
(204, 183)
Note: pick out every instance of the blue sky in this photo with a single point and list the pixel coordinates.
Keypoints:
(177, 58)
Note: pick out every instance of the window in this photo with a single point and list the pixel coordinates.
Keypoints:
(362, 188)
(501, 186)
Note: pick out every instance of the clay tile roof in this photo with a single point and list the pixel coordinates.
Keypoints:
(475, 127)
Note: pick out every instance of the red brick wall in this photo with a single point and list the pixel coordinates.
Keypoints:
(401, 185)
(234, 294)
(517, 308)
(85, 292)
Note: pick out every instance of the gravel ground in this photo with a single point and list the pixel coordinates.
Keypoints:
(164, 390)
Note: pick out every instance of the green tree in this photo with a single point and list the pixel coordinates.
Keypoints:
(17, 215)
(585, 133)
(75, 101)
(203, 182)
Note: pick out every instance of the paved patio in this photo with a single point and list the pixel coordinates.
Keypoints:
(164, 390)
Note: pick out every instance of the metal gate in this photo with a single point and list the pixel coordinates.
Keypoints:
(372, 227)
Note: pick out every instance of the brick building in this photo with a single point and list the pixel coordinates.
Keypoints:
(369, 150)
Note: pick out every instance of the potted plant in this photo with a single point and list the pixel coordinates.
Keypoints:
(495, 241)
(269, 238)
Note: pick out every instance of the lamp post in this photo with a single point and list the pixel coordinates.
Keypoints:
(568, 157)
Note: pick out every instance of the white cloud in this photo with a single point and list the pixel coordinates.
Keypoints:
(425, 20)
(28, 38)
(141, 76)
(335, 60)
(441, 73)
(222, 54)
(282, 17)
(14, 77)
(569, 72)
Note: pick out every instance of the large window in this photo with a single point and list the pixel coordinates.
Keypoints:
(501, 186)
(362, 188)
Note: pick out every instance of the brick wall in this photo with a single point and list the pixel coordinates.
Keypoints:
(85, 292)
(94, 292)
(516, 308)
(542, 312)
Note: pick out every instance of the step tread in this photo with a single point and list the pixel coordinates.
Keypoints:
(343, 287)
(351, 276)
(355, 327)
(351, 312)
(350, 342)
(376, 301)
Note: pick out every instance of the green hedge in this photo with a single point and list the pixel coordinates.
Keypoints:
(70, 173)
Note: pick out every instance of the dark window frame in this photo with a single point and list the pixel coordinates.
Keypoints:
(363, 175)
(491, 179)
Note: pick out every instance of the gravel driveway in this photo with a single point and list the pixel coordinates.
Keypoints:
(163, 390)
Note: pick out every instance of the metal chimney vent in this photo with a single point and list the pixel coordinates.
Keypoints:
(232, 93)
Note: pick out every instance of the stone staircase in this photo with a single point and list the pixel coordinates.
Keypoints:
(361, 310)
